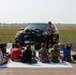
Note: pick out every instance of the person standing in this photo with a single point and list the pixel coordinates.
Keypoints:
(49, 34)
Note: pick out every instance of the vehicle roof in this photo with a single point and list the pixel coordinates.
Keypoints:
(38, 23)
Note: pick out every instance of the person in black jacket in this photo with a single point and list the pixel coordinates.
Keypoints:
(26, 55)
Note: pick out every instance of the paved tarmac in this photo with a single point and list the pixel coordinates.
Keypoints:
(39, 71)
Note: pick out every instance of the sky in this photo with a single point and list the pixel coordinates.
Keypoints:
(24, 11)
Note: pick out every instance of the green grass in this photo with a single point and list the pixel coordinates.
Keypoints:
(67, 34)
(7, 33)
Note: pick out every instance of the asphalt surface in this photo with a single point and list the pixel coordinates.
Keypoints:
(39, 71)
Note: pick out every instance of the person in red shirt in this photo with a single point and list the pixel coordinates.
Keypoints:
(16, 53)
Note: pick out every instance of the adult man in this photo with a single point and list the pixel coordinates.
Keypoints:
(49, 34)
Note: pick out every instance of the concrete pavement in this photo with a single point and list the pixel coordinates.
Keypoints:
(39, 71)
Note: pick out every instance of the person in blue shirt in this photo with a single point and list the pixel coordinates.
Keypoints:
(66, 48)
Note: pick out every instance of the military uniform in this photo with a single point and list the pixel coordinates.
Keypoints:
(49, 36)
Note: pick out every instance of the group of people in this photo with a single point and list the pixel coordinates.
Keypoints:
(47, 53)
(29, 55)
(23, 54)
(52, 54)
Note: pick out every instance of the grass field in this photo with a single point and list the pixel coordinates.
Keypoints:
(7, 33)
(67, 34)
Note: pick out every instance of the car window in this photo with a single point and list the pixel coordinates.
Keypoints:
(36, 26)
(55, 27)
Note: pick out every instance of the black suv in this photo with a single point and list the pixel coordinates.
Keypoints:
(36, 32)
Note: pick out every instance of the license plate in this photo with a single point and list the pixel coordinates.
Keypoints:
(26, 41)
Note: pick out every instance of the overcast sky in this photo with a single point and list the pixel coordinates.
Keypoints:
(24, 11)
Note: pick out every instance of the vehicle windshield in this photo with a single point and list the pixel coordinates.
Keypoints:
(33, 26)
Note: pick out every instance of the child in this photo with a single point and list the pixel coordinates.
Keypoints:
(43, 54)
(66, 48)
(49, 52)
(16, 53)
(2, 60)
(17, 43)
(55, 54)
(33, 49)
(26, 55)
(50, 48)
